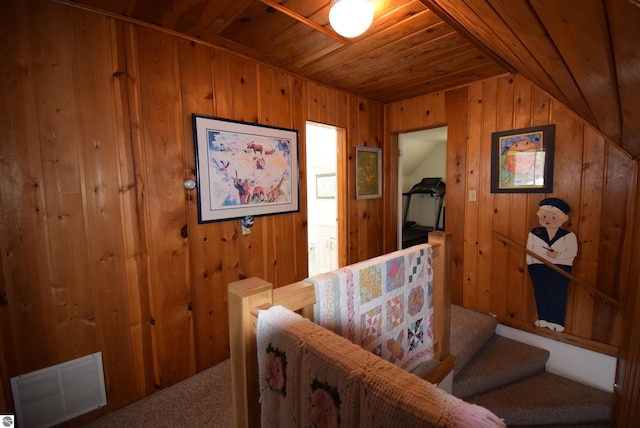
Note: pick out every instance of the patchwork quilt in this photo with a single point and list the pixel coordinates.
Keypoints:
(384, 305)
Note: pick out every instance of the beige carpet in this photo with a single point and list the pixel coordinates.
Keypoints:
(203, 400)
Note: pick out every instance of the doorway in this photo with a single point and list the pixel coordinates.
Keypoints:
(422, 157)
(323, 197)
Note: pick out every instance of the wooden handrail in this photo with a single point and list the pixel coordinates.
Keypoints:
(578, 281)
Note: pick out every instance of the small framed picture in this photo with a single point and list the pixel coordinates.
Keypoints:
(326, 186)
(368, 172)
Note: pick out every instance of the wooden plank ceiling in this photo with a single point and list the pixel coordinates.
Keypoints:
(583, 52)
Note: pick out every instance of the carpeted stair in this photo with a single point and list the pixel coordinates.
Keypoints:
(509, 378)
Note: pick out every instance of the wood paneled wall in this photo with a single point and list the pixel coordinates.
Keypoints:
(101, 249)
(591, 173)
(100, 246)
(626, 412)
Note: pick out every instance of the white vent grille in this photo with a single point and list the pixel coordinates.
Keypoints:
(46, 397)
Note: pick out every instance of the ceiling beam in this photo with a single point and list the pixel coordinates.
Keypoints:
(441, 11)
(306, 21)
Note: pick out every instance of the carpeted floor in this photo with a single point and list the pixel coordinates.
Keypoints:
(203, 400)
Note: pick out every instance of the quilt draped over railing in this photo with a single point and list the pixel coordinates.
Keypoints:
(384, 305)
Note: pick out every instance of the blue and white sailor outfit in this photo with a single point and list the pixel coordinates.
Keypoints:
(551, 288)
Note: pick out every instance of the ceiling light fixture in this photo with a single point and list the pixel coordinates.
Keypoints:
(350, 18)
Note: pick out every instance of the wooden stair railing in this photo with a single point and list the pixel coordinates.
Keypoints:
(607, 298)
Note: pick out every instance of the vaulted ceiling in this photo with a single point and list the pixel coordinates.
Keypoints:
(585, 53)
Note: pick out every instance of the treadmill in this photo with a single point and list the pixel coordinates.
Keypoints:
(412, 233)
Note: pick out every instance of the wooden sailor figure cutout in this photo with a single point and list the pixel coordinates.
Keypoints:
(551, 242)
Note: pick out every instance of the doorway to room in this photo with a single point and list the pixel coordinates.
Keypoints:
(323, 150)
(422, 161)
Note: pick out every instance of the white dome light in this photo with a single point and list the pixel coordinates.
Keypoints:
(350, 18)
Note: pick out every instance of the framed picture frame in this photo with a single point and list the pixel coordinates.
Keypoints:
(244, 169)
(522, 160)
(326, 186)
(368, 172)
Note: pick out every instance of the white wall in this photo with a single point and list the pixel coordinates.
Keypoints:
(322, 156)
(321, 159)
(584, 366)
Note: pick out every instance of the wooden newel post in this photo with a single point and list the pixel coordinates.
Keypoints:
(244, 295)
(441, 291)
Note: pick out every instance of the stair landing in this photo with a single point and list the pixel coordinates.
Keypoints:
(500, 362)
(547, 399)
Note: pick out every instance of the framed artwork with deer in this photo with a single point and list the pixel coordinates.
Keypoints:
(244, 169)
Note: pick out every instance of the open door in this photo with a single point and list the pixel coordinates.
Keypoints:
(421, 181)
(325, 197)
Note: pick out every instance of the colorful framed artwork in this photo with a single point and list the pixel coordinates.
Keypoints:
(368, 172)
(522, 160)
(244, 169)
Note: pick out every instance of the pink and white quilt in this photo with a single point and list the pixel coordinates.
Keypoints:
(384, 305)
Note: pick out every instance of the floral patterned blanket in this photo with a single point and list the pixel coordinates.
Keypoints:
(383, 304)
(311, 377)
